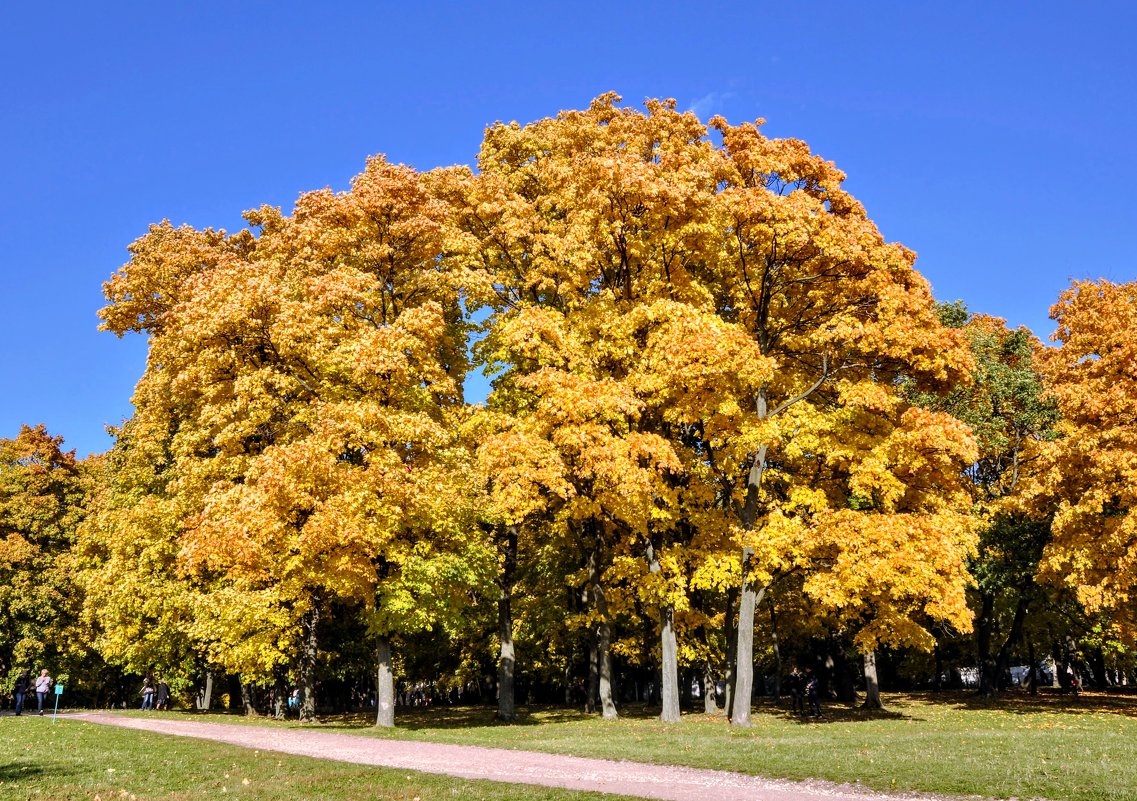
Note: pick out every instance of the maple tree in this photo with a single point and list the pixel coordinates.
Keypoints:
(1089, 479)
(1006, 410)
(312, 368)
(43, 491)
(716, 388)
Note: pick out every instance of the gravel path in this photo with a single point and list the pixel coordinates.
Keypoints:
(502, 765)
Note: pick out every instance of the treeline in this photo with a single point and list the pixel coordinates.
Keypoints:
(727, 421)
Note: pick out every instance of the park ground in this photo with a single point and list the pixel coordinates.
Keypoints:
(1052, 746)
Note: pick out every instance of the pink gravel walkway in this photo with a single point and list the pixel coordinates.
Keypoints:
(517, 767)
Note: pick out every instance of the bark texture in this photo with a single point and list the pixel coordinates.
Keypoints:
(872, 683)
(384, 684)
(307, 667)
(506, 710)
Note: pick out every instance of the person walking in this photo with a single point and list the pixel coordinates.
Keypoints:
(43, 687)
(794, 685)
(20, 689)
(162, 696)
(811, 693)
(147, 693)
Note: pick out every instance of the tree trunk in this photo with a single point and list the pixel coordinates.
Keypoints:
(205, 695)
(1097, 663)
(839, 674)
(307, 666)
(872, 683)
(249, 698)
(1033, 666)
(593, 672)
(604, 658)
(744, 678)
(750, 598)
(506, 711)
(1003, 659)
(670, 686)
(669, 670)
(984, 627)
(384, 684)
(603, 630)
(710, 690)
(279, 694)
(777, 653)
(731, 648)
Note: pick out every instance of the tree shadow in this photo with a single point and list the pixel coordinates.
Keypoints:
(29, 771)
(1048, 700)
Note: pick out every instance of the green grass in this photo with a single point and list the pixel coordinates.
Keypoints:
(74, 760)
(1051, 747)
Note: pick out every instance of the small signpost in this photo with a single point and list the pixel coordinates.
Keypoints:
(58, 692)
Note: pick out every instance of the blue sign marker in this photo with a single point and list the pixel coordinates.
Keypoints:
(58, 692)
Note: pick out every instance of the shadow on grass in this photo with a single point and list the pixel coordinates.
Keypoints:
(29, 771)
(1047, 701)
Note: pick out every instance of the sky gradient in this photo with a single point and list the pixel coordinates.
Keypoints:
(994, 139)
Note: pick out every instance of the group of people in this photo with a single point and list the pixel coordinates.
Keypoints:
(155, 695)
(803, 691)
(24, 684)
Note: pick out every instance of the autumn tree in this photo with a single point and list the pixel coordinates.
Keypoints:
(43, 498)
(1005, 408)
(316, 366)
(1089, 478)
(829, 468)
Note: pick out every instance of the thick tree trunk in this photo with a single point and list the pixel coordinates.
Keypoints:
(506, 711)
(205, 695)
(307, 666)
(249, 698)
(839, 673)
(1097, 663)
(872, 683)
(731, 648)
(744, 660)
(670, 713)
(669, 670)
(1003, 659)
(604, 663)
(710, 691)
(750, 597)
(384, 684)
(984, 628)
(593, 672)
(603, 631)
(279, 694)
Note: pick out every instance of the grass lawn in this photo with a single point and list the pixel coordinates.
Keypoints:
(74, 760)
(1054, 747)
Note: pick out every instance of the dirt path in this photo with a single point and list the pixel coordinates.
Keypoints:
(502, 765)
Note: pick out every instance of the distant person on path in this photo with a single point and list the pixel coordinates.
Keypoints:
(811, 693)
(147, 693)
(162, 696)
(43, 687)
(20, 689)
(794, 685)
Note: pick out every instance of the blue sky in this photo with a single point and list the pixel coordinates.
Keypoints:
(995, 139)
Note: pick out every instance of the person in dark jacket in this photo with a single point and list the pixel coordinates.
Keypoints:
(794, 686)
(811, 693)
(162, 696)
(20, 689)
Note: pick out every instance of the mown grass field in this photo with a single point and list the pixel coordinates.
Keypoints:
(77, 761)
(1054, 747)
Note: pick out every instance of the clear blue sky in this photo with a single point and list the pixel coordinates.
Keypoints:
(995, 139)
